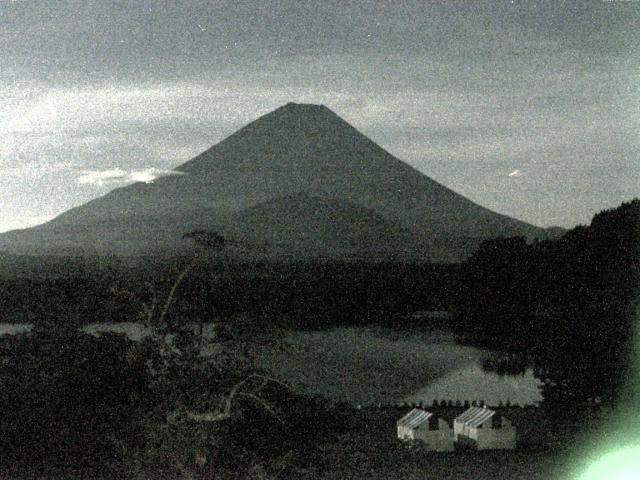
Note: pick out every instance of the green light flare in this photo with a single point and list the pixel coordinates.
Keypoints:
(621, 440)
(623, 464)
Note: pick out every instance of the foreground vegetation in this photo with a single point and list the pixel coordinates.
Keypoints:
(299, 295)
(78, 406)
(371, 451)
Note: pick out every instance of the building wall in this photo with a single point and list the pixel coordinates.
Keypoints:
(440, 440)
(486, 438)
(464, 430)
(406, 433)
(457, 429)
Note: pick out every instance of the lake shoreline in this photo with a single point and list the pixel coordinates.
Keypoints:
(369, 365)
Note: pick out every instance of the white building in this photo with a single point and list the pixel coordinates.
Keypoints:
(425, 426)
(483, 428)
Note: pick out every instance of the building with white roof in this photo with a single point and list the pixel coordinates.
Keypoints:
(483, 428)
(421, 425)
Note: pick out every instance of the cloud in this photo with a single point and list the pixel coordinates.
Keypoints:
(19, 222)
(118, 175)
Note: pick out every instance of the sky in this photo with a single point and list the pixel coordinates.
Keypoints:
(531, 109)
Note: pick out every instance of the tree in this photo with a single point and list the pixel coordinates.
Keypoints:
(65, 395)
(204, 394)
(569, 303)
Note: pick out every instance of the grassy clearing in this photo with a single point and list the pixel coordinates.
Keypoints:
(371, 451)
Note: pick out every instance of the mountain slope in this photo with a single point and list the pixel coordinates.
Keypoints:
(296, 148)
(309, 148)
(305, 226)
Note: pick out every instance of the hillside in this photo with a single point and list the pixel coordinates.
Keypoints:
(304, 226)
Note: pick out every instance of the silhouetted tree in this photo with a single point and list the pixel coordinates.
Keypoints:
(569, 303)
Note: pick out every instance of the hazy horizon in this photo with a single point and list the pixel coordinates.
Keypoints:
(530, 110)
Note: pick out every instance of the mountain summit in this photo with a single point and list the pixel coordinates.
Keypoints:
(301, 158)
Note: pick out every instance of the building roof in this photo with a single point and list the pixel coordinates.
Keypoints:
(414, 418)
(475, 416)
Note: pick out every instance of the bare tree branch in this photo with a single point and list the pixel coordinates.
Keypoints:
(264, 404)
(150, 311)
(208, 416)
(226, 407)
(172, 292)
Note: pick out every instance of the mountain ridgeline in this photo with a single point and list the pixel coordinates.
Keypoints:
(297, 183)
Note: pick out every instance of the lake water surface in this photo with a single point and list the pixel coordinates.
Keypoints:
(372, 365)
(369, 366)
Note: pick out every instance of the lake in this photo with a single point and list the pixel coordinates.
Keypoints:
(373, 365)
(368, 366)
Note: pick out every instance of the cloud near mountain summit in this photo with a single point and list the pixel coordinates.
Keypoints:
(118, 175)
